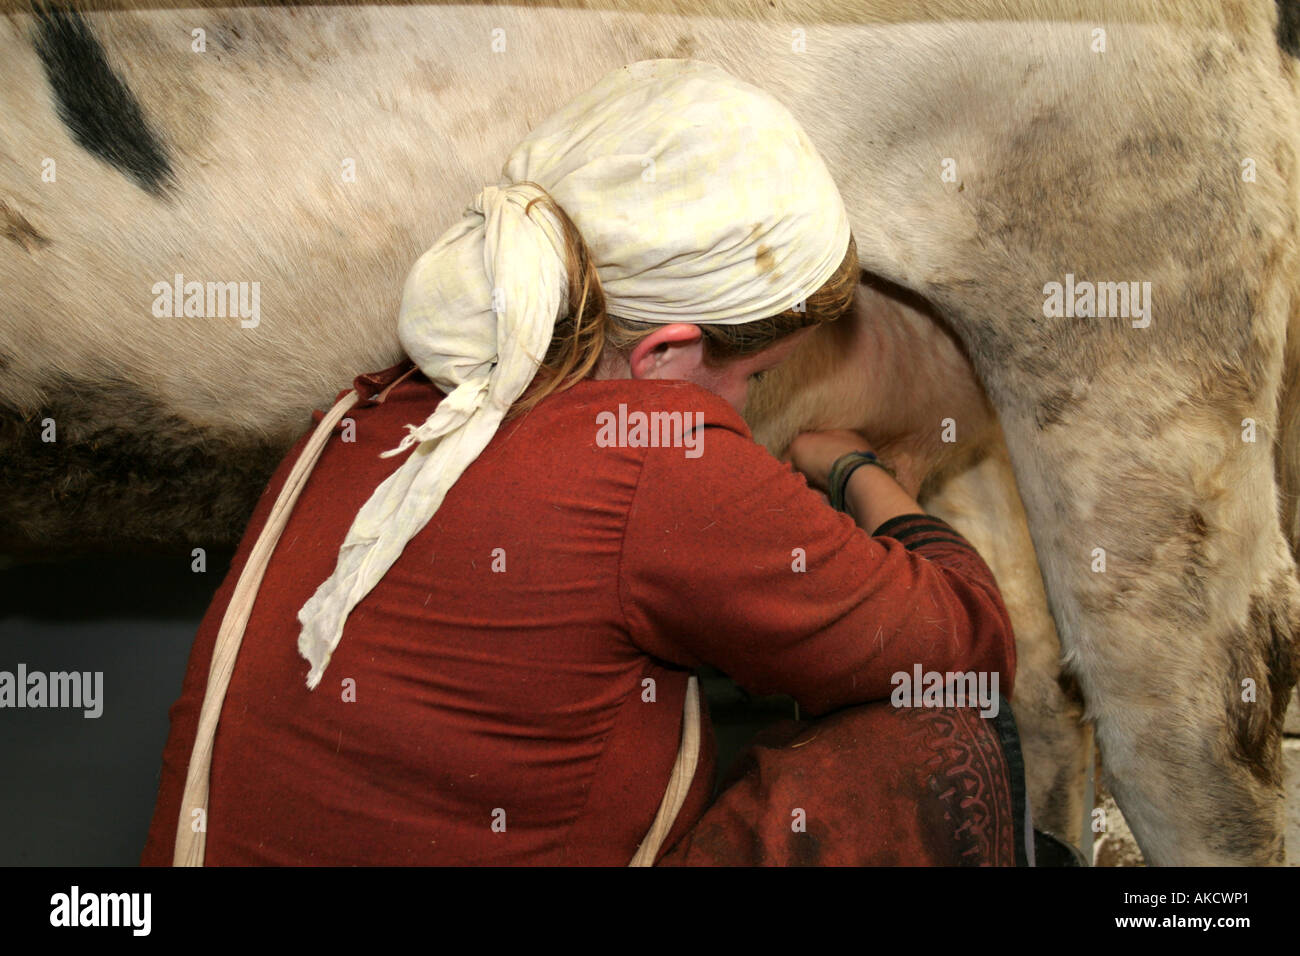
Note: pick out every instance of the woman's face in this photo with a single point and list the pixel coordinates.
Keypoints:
(677, 352)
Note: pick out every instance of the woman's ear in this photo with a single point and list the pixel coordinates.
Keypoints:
(673, 351)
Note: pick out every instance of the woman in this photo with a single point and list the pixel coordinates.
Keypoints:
(583, 519)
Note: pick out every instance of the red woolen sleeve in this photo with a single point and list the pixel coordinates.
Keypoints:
(730, 559)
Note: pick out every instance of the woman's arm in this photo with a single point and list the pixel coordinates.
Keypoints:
(732, 559)
(871, 495)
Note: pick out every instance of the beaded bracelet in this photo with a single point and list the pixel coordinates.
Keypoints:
(845, 466)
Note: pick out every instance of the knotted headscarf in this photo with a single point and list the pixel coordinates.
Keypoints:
(701, 200)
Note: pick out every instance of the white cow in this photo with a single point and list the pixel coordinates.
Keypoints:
(997, 160)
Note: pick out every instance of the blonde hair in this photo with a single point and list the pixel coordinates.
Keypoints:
(582, 335)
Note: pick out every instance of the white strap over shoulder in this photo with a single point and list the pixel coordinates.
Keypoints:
(191, 827)
(679, 784)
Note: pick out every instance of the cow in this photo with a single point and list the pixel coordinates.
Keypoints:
(1077, 229)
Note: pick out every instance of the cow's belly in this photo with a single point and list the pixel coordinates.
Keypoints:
(891, 370)
(262, 125)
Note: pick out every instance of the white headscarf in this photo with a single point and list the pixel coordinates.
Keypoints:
(701, 200)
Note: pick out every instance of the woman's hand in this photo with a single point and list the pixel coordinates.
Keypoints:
(814, 453)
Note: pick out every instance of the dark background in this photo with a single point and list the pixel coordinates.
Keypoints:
(76, 790)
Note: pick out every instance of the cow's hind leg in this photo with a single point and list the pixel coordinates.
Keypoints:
(1179, 591)
(1140, 426)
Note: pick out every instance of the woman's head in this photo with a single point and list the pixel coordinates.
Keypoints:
(670, 193)
(589, 341)
(708, 218)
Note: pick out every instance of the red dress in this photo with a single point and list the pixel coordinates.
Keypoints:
(511, 691)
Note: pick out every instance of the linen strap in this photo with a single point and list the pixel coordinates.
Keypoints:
(679, 784)
(191, 839)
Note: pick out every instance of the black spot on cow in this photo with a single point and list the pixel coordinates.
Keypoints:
(1288, 26)
(94, 103)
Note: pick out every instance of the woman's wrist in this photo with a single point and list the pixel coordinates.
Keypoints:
(872, 497)
(843, 467)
